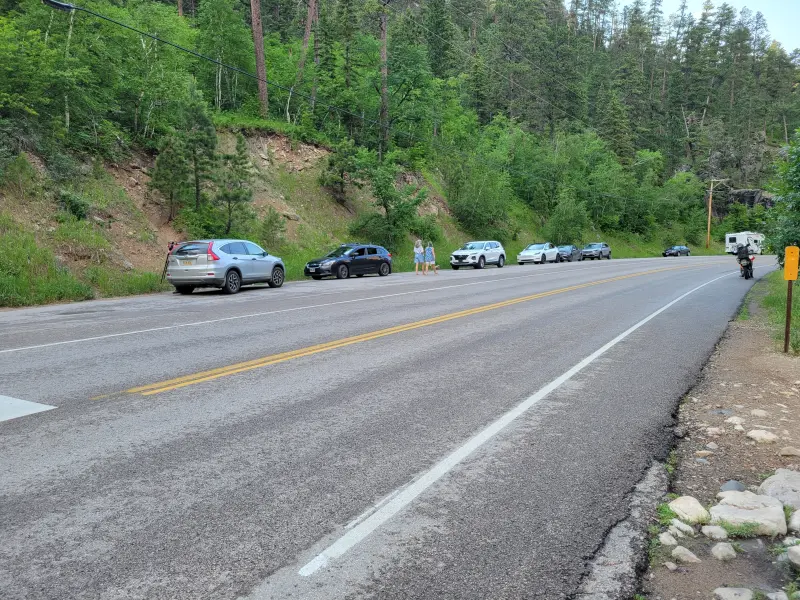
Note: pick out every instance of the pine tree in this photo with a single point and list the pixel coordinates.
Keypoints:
(439, 34)
(200, 140)
(171, 173)
(234, 182)
(614, 126)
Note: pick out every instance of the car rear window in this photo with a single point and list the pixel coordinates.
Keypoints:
(372, 250)
(192, 249)
(382, 250)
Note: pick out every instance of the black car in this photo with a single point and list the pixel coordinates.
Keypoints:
(569, 253)
(351, 259)
(676, 251)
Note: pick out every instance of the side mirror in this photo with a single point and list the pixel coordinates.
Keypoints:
(265, 253)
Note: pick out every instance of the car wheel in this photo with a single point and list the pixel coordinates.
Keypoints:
(277, 278)
(184, 289)
(520, 264)
(316, 277)
(384, 269)
(454, 267)
(233, 282)
(501, 262)
(481, 263)
(342, 272)
(559, 258)
(609, 256)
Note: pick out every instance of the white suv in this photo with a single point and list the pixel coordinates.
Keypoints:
(478, 254)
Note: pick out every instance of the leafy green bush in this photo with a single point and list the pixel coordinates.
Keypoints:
(273, 227)
(74, 204)
(19, 177)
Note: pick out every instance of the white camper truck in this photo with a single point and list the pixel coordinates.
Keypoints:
(732, 241)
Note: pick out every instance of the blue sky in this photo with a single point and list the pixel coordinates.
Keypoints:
(783, 16)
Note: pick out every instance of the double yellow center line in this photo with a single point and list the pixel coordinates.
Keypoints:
(273, 359)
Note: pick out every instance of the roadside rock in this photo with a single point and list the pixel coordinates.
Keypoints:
(733, 594)
(714, 431)
(681, 554)
(689, 509)
(682, 527)
(761, 436)
(735, 420)
(712, 446)
(738, 508)
(739, 428)
(667, 539)
(785, 486)
(714, 532)
(757, 412)
(794, 522)
(671, 566)
(677, 533)
(778, 596)
(703, 453)
(789, 451)
(732, 486)
(794, 555)
(723, 551)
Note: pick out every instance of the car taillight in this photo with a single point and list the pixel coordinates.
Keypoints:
(211, 255)
(389, 254)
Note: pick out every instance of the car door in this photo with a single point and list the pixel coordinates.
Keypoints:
(373, 261)
(551, 252)
(359, 261)
(260, 260)
(495, 252)
(606, 250)
(237, 252)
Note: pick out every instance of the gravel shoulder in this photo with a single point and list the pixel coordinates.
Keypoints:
(740, 424)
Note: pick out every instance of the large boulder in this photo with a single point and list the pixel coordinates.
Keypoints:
(733, 594)
(689, 509)
(794, 522)
(785, 486)
(739, 508)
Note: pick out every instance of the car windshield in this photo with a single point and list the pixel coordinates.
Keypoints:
(535, 247)
(565, 248)
(340, 251)
(472, 246)
(592, 246)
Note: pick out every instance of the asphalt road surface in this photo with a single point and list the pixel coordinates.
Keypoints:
(473, 434)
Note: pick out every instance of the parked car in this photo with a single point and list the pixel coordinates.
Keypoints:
(478, 254)
(596, 250)
(570, 253)
(351, 259)
(539, 253)
(677, 251)
(224, 264)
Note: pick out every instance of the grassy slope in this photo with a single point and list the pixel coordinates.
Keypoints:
(775, 304)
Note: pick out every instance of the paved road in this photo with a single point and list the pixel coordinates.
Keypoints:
(467, 435)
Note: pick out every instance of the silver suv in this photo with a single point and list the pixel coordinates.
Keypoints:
(224, 264)
(478, 254)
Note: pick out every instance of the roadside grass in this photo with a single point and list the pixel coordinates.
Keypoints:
(788, 511)
(672, 463)
(30, 274)
(741, 531)
(112, 282)
(665, 514)
(774, 301)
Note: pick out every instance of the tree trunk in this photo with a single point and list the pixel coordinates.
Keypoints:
(180, 8)
(316, 58)
(196, 170)
(261, 67)
(785, 130)
(312, 9)
(384, 117)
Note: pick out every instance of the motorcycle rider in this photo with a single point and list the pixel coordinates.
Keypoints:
(742, 251)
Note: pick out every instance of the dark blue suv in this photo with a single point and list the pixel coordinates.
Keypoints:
(351, 259)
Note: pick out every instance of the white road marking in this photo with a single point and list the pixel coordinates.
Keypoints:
(384, 510)
(274, 312)
(11, 408)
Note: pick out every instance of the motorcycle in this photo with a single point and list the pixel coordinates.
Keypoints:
(746, 266)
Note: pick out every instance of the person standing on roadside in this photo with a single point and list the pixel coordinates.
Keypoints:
(419, 258)
(430, 258)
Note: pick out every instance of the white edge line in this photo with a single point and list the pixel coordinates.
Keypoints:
(408, 494)
(273, 312)
(14, 408)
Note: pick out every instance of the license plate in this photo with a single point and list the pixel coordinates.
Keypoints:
(312, 269)
(187, 262)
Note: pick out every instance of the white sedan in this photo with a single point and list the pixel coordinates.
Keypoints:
(539, 253)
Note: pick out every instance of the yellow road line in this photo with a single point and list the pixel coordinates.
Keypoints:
(202, 376)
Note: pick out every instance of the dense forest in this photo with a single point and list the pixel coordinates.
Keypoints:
(590, 115)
